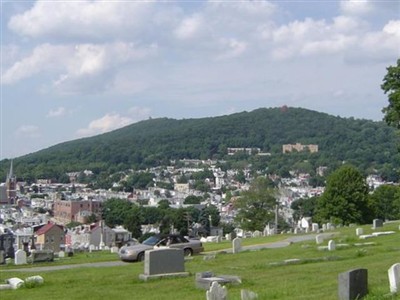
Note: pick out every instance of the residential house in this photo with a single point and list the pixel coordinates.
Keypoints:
(50, 236)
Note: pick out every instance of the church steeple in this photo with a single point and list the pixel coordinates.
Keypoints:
(11, 184)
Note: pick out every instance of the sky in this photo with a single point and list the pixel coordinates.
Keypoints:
(74, 69)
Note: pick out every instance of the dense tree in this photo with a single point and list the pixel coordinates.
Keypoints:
(115, 211)
(391, 87)
(256, 207)
(304, 207)
(384, 201)
(192, 199)
(345, 199)
(133, 221)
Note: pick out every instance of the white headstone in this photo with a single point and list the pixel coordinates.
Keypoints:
(20, 257)
(37, 279)
(91, 248)
(248, 295)
(323, 227)
(257, 233)
(394, 278)
(61, 254)
(359, 231)
(319, 239)
(314, 227)
(15, 282)
(114, 249)
(331, 245)
(236, 245)
(217, 292)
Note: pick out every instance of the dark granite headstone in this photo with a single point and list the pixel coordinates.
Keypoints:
(377, 223)
(353, 284)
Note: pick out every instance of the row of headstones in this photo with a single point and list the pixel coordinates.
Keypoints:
(20, 257)
(353, 284)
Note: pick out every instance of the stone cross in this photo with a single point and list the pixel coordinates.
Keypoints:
(217, 292)
(394, 278)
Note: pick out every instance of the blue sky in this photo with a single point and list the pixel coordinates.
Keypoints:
(72, 69)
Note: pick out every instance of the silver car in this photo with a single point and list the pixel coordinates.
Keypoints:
(136, 252)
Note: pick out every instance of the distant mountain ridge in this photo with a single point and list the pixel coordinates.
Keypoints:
(365, 143)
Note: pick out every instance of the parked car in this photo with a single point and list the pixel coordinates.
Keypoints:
(136, 252)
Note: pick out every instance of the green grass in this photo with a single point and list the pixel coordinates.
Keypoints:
(314, 277)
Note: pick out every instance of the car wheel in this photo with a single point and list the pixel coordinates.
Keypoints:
(187, 252)
(140, 257)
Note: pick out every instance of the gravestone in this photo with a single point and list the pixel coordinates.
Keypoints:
(236, 245)
(319, 239)
(353, 284)
(394, 278)
(331, 245)
(92, 248)
(20, 257)
(248, 295)
(42, 255)
(359, 231)
(15, 282)
(163, 262)
(204, 280)
(2, 257)
(314, 227)
(228, 236)
(376, 223)
(34, 280)
(61, 254)
(114, 249)
(323, 227)
(217, 292)
(257, 234)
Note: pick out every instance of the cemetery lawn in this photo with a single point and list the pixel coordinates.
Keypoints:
(263, 271)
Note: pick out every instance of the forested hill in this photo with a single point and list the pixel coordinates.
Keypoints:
(364, 143)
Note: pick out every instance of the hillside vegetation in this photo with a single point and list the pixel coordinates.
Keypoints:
(366, 144)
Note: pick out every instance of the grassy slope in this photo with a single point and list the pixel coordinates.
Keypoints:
(309, 280)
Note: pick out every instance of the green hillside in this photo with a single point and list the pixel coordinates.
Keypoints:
(366, 144)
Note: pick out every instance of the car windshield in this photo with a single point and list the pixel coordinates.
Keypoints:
(151, 241)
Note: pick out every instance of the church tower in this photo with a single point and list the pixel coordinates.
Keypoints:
(11, 184)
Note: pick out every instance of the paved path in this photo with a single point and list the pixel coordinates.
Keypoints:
(278, 244)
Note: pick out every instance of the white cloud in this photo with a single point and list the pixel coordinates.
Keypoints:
(57, 112)
(83, 68)
(28, 131)
(44, 57)
(189, 27)
(84, 18)
(356, 7)
(109, 122)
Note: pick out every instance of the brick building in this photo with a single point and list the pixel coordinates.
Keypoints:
(66, 211)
